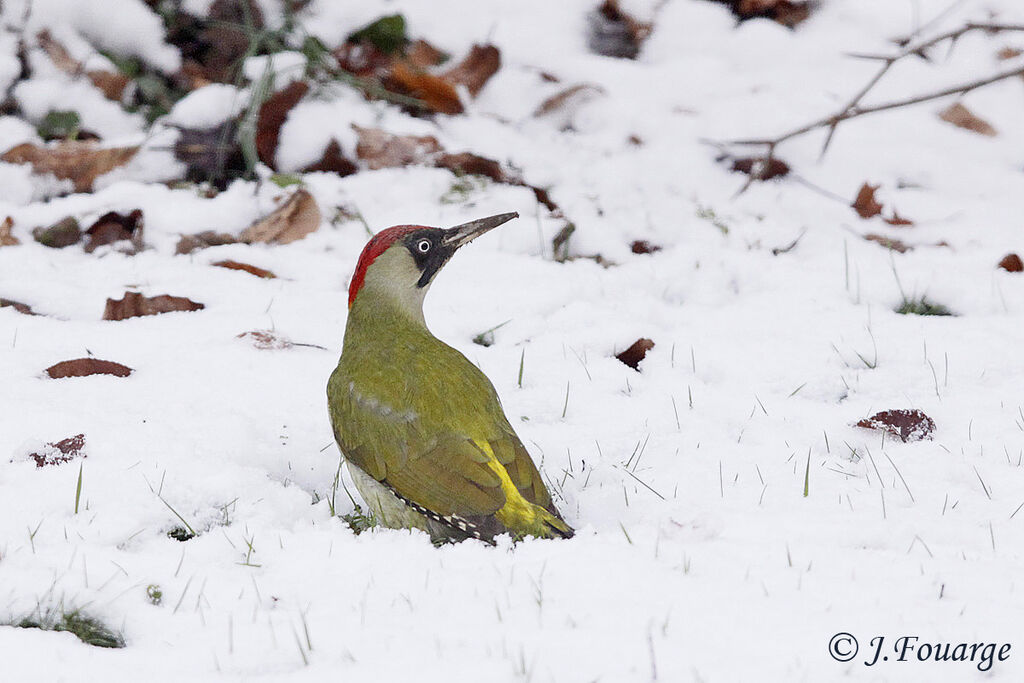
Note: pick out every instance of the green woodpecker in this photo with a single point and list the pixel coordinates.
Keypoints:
(422, 429)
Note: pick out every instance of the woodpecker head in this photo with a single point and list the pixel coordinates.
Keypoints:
(400, 262)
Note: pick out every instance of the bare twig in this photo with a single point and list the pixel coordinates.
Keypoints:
(853, 109)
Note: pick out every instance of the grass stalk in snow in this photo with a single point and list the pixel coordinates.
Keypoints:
(78, 487)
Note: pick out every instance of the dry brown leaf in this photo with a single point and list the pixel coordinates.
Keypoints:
(482, 62)
(77, 161)
(962, 117)
(897, 219)
(6, 238)
(83, 367)
(380, 149)
(17, 305)
(253, 270)
(636, 353)
(133, 305)
(292, 221)
(467, 163)
(908, 425)
(568, 98)
(112, 227)
(434, 91)
(208, 238)
(643, 247)
(60, 452)
(111, 83)
(865, 204)
(888, 242)
(1009, 53)
(1012, 263)
(333, 161)
(776, 167)
(272, 116)
(422, 54)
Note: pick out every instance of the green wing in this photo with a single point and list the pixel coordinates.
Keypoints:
(444, 471)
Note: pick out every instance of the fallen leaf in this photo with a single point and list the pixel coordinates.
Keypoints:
(466, 163)
(133, 305)
(292, 221)
(786, 12)
(112, 227)
(6, 238)
(962, 117)
(111, 84)
(77, 161)
(63, 233)
(380, 149)
(333, 161)
(253, 270)
(636, 353)
(208, 238)
(476, 68)
(83, 367)
(865, 204)
(908, 425)
(1009, 53)
(776, 168)
(266, 340)
(888, 242)
(60, 452)
(422, 54)
(567, 99)
(272, 116)
(643, 247)
(1012, 263)
(17, 305)
(435, 92)
(897, 219)
(615, 33)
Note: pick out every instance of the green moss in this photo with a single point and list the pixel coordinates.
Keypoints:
(922, 306)
(88, 629)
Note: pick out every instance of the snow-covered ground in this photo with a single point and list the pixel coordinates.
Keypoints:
(731, 519)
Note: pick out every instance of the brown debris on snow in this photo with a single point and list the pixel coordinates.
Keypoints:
(134, 304)
(113, 227)
(77, 161)
(1012, 263)
(6, 238)
(636, 353)
(293, 220)
(962, 117)
(908, 425)
(60, 452)
(252, 270)
(83, 367)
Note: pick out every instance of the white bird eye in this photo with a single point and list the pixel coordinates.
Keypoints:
(423, 246)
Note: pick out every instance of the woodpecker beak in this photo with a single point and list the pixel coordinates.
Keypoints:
(467, 232)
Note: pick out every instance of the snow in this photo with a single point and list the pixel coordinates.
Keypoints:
(698, 555)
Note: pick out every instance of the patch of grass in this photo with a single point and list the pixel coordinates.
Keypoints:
(86, 628)
(358, 521)
(155, 594)
(921, 306)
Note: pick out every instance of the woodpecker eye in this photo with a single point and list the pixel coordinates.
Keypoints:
(423, 246)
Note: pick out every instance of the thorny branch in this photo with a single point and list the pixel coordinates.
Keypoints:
(852, 108)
